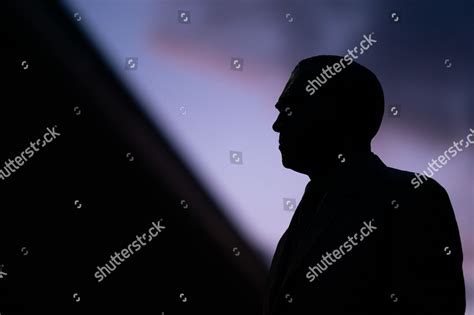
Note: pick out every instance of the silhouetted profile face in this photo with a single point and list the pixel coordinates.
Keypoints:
(324, 116)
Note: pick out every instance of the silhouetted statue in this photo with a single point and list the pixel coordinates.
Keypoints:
(362, 240)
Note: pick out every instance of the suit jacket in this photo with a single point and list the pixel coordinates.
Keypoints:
(376, 245)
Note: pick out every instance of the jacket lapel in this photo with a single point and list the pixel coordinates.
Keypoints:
(335, 203)
(327, 211)
(281, 257)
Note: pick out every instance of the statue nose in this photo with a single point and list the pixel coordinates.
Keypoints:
(277, 125)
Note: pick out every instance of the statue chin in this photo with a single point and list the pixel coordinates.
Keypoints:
(295, 166)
